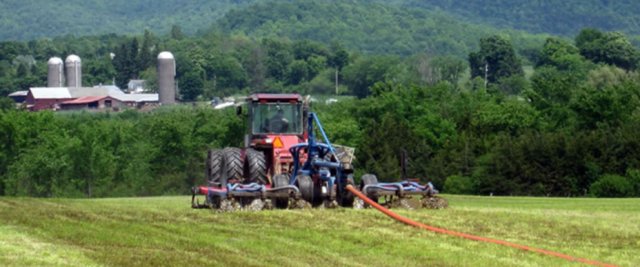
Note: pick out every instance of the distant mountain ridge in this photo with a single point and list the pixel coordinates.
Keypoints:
(33, 19)
(367, 26)
(558, 17)
(394, 26)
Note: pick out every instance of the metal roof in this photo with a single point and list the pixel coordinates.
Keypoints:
(72, 58)
(137, 97)
(95, 91)
(90, 94)
(19, 93)
(50, 93)
(275, 97)
(165, 55)
(55, 61)
(84, 100)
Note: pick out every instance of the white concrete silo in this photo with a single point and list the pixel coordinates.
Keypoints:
(73, 67)
(166, 78)
(55, 72)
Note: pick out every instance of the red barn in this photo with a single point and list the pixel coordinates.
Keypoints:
(41, 98)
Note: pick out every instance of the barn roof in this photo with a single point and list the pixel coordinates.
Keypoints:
(50, 93)
(137, 97)
(88, 93)
(19, 93)
(84, 100)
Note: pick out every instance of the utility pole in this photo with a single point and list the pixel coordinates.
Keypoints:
(336, 81)
(486, 74)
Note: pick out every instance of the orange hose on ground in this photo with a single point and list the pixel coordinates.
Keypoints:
(469, 236)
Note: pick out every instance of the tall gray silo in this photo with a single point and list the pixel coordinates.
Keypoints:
(166, 78)
(55, 73)
(73, 68)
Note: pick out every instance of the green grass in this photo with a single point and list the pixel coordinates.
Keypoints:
(165, 231)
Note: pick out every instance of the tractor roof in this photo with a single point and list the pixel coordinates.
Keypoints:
(275, 97)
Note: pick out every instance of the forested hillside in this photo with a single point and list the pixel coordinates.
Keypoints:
(23, 20)
(562, 17)
(399, 26)
(375, 28)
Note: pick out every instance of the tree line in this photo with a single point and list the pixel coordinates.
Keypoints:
(568, 128)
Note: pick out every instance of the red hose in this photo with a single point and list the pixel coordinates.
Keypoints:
(469, 236)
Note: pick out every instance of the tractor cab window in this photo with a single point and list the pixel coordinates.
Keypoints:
(276, 118)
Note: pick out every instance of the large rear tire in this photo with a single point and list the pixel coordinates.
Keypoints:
(213, 170)
(232, 166)
(280, 180)
(368, 179)
(255, 167)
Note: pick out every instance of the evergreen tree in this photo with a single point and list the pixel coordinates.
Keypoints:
(145, 58)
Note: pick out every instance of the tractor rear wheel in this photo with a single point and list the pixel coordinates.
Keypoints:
(368, 179)
(255, 167)
(280, 180)
(213, 170)
(305, 185)
(232, 165)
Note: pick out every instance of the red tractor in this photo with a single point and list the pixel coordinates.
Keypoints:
(283, 165)
(276, 122)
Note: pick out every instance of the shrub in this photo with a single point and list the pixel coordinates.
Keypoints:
(458, 184)
(610, 185)
(634, 179)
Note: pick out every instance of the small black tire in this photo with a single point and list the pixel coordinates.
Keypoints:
(305, 185)
(280, 180)
(345, 196)
(255, 167)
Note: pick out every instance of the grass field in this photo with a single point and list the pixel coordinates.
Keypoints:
(165, 231)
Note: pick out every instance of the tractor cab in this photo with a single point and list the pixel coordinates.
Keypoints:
(276, 122)
(276, 114)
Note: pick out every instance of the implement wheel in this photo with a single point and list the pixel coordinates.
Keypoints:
(305, 185)
(280, 180)
(345, 197)
(368, 179)
(213, 170)
(255, 167)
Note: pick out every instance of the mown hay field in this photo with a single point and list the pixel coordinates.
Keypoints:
(165, 231)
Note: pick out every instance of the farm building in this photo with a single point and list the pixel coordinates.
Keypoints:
(104, 97)
(41, 98)
(91, 102)
(19, 96)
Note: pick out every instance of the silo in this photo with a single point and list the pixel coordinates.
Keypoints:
(166, 78)
(54, 75)
(74, 71)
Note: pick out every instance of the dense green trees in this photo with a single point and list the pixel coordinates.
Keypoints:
(97, 155)
(609, 47)
(569, 129)
(496, 60)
